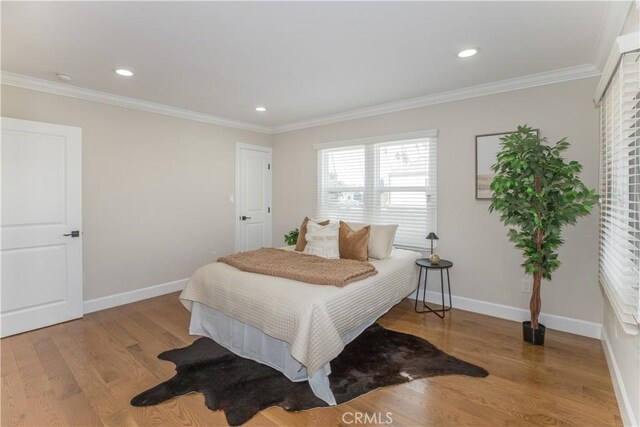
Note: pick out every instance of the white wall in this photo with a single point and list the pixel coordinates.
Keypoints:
(632, 22)
(486, 263)
(155, 189)
(623, 354)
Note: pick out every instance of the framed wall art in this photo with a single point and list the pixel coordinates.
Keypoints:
(487, 147)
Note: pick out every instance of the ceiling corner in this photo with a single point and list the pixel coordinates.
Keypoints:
(614, 19)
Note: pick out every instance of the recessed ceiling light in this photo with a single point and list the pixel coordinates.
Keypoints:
(124, 73)
(261, 109)
(64, 77)
(467, 53)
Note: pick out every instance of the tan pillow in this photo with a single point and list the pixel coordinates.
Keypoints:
(302, 235)
(354, 244)
(380, 239)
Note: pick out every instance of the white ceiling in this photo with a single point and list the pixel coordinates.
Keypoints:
(300, 60)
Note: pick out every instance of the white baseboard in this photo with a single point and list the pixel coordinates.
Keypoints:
(102, 303)
(626, 412)
(551, 321)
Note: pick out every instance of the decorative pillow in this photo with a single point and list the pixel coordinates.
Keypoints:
(322, 240)
(301, 243)
(354, 244)
(380, 239)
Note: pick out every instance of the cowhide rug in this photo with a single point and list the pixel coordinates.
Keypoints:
(241, 387)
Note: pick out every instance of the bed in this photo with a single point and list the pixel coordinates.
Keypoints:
(294, 327)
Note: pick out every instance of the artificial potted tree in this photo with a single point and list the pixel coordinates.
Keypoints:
(536, 192)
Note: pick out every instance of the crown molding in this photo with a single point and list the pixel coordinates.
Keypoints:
(523, 82)
(64, 89)
(532, 80)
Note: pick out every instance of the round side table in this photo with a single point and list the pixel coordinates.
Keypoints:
(425, 265)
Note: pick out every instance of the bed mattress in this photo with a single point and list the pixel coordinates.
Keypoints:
(251, 343)
(311, 318)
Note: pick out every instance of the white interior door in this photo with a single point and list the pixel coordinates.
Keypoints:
(41, 215)
(253, 196)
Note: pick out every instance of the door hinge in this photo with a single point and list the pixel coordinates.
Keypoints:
(269, 166)
(269, 209)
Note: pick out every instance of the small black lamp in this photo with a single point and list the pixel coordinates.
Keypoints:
(432, 236)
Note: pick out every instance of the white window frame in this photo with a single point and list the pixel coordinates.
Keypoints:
(369, 145)
(615, 96)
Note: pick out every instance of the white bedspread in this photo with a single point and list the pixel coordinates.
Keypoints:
(312, 318)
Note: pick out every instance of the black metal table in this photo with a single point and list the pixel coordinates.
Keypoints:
(426, 265)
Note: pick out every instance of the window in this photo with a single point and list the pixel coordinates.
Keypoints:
(382, 181)
(620, 191)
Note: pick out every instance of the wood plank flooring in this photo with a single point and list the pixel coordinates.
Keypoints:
(84, 373)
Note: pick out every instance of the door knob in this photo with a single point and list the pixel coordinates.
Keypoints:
(244, 218)
(75, 233)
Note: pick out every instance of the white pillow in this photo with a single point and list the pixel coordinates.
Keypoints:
(380, 239)
(323, 240)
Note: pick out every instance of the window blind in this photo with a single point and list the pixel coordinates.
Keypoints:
(391, 182)
(620, 191)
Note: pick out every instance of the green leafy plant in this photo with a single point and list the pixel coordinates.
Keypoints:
(536, 192)
(292, 237)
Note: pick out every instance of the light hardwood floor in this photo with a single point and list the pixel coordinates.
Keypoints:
(86, 371)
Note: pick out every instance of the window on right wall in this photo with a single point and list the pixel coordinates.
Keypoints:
(620, 191)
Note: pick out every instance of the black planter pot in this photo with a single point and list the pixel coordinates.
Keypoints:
(533, 336)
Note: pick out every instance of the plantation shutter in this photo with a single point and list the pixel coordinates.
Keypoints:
(384, 182)
(620, 191)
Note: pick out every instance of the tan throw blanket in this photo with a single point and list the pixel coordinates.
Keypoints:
(301, 267)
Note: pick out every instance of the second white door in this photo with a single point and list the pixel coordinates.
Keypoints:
(253, 197)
